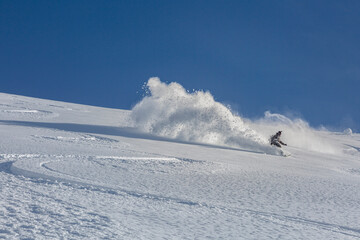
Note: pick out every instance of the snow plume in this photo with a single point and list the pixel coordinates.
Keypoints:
(296, 133)
(170, 111)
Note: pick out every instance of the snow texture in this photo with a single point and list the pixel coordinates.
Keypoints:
(179, 166)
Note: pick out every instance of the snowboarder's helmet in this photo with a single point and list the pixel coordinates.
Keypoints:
(279, 132)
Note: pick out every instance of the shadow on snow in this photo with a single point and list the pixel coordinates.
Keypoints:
(127, 132)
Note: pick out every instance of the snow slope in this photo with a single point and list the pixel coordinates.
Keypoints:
(71, 171)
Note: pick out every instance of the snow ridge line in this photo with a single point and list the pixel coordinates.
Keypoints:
(139, 158)
(92, 185)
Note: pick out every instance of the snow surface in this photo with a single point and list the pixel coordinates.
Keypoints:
(71, 171)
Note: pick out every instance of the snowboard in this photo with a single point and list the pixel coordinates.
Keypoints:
(285, 153)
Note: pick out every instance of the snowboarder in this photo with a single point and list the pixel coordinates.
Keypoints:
(275, 140)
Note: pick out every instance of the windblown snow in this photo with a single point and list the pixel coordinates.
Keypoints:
(179, 165)
(169, 110)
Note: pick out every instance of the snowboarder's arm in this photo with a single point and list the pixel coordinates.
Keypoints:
(283, 143)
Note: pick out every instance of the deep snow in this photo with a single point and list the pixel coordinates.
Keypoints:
(71, 171)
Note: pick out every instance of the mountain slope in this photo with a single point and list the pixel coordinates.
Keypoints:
(79, 172)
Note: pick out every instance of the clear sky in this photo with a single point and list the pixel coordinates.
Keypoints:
(298, 57)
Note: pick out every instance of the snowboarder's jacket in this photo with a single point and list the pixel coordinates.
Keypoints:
(275, 140)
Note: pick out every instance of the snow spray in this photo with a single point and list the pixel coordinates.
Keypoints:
(297, 133)
(170, 111)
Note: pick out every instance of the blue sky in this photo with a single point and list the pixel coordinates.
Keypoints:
(297, 57)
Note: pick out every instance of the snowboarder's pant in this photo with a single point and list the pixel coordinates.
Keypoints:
(276, 144)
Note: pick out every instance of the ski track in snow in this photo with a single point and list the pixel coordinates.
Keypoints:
(60, 183)
(46, 173)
